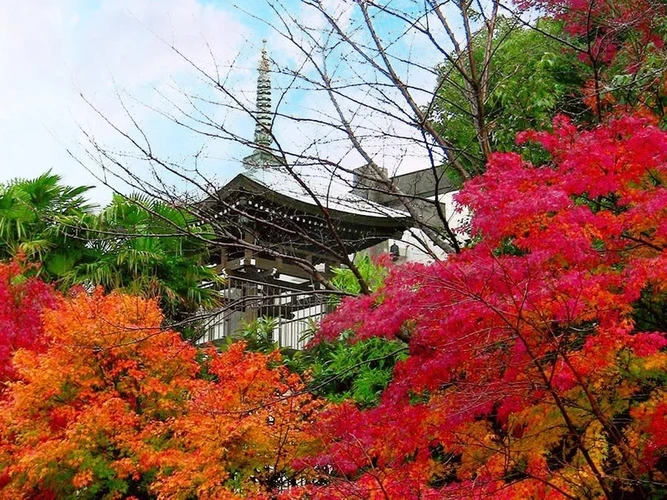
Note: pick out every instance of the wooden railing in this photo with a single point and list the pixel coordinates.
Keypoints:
(294, 311)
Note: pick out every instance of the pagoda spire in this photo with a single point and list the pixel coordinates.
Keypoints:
(263, 115)
(262, 156)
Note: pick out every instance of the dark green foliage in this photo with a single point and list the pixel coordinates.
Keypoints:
(360, 371)
(651, 312)
(146, 247)
(373, 274)
(531, 78)
(258, 335)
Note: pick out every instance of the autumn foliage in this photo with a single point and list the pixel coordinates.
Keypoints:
(22, 299)
(537, 363)
(116, 407)
(623, 43)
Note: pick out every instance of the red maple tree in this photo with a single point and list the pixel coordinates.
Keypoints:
(537, 357)
(22, 299)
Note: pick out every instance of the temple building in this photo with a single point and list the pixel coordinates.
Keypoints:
(280, 232)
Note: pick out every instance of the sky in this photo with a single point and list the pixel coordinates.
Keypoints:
(53, 52)
(70, 68)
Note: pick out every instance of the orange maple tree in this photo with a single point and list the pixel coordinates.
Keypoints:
(117, 407)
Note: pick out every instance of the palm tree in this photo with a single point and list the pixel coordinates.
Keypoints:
(135, 244)
(42, 220)
(147, 247)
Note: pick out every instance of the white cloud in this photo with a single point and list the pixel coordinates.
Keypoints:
(51, 49)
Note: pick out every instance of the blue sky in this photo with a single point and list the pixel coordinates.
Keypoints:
(53, 50)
